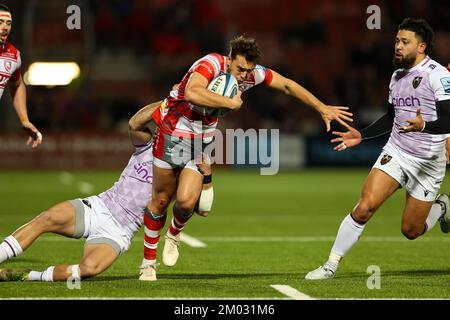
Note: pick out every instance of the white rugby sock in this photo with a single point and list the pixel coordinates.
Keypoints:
(46, 275)
(9, 248)
(348, 235)
(433, 216)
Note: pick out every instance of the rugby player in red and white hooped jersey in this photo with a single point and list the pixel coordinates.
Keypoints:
(10, 74)
(183, 124)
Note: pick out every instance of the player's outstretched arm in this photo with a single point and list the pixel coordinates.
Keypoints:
(376, 129)
(347, 139)
(328, 113)
(140, 134)
(197, 93)
(19, 98)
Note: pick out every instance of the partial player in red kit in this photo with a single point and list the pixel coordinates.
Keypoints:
(10, 75)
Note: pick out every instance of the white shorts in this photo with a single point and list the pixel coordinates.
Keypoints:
(422, 178)
(95, 223)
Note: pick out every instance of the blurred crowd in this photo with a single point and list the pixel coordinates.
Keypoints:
(132, 51)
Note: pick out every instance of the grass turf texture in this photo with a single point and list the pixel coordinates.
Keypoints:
(264, 230)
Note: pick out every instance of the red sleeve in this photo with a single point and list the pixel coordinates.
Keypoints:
(268, 76)
(156, 116)
(16, 75)
(206, 69)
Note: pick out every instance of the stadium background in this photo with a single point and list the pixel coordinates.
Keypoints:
(132, 52)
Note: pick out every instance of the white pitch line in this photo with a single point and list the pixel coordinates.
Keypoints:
(201, 298)
(291, 292)
(191, 241)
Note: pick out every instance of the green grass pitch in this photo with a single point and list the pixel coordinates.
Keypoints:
(264, 230)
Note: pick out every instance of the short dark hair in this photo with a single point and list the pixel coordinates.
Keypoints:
(246, 47)
(422, 30)
(4, 8)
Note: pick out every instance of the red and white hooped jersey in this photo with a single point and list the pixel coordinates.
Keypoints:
(177, 116)
(10, 65)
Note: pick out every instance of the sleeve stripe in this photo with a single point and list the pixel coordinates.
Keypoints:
(214, 61)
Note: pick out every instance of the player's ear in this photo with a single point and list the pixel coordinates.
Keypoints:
(422, 47)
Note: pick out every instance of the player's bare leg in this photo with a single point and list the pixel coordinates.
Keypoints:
(419, 216)
(164, 186)
(189, 188)
(378, 187)
(59, 219)
(163, 189)
(96, 259)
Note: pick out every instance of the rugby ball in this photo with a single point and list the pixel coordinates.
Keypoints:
(225, 85)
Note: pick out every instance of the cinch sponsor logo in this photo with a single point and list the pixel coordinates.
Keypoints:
(408, 101)
(143, 171)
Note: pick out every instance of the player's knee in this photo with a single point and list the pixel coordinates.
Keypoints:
(90, 269)
(411, 232)
(45, 221)
(186, 204)
(161, 202)
(363, 211)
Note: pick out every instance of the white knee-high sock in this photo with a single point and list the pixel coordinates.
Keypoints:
(348, 235)
(9, 248)
(46, 275)
(433, 216)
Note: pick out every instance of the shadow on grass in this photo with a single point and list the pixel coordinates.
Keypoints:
(18, 261)
(397, 273)
(191, 276)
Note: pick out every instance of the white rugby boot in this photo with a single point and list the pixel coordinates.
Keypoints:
(148, 273)
(321, 273)
(170, 251)
(444, 219)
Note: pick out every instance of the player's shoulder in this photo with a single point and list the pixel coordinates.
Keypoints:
(259, 68)
(214, 57)
(396, 75)
(438, 74)
(435, 67)
(11, 50)
(260, 71)
(214, 62)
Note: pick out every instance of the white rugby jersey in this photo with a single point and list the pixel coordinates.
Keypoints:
(10, 65)
(419, 87)
(177, 117)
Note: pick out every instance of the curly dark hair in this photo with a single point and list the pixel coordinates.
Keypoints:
(4, 8)
(422, 30)
(246, 47)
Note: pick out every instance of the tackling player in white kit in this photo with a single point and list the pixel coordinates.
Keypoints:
(108, 221)
(10, 74)
(414, 160)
